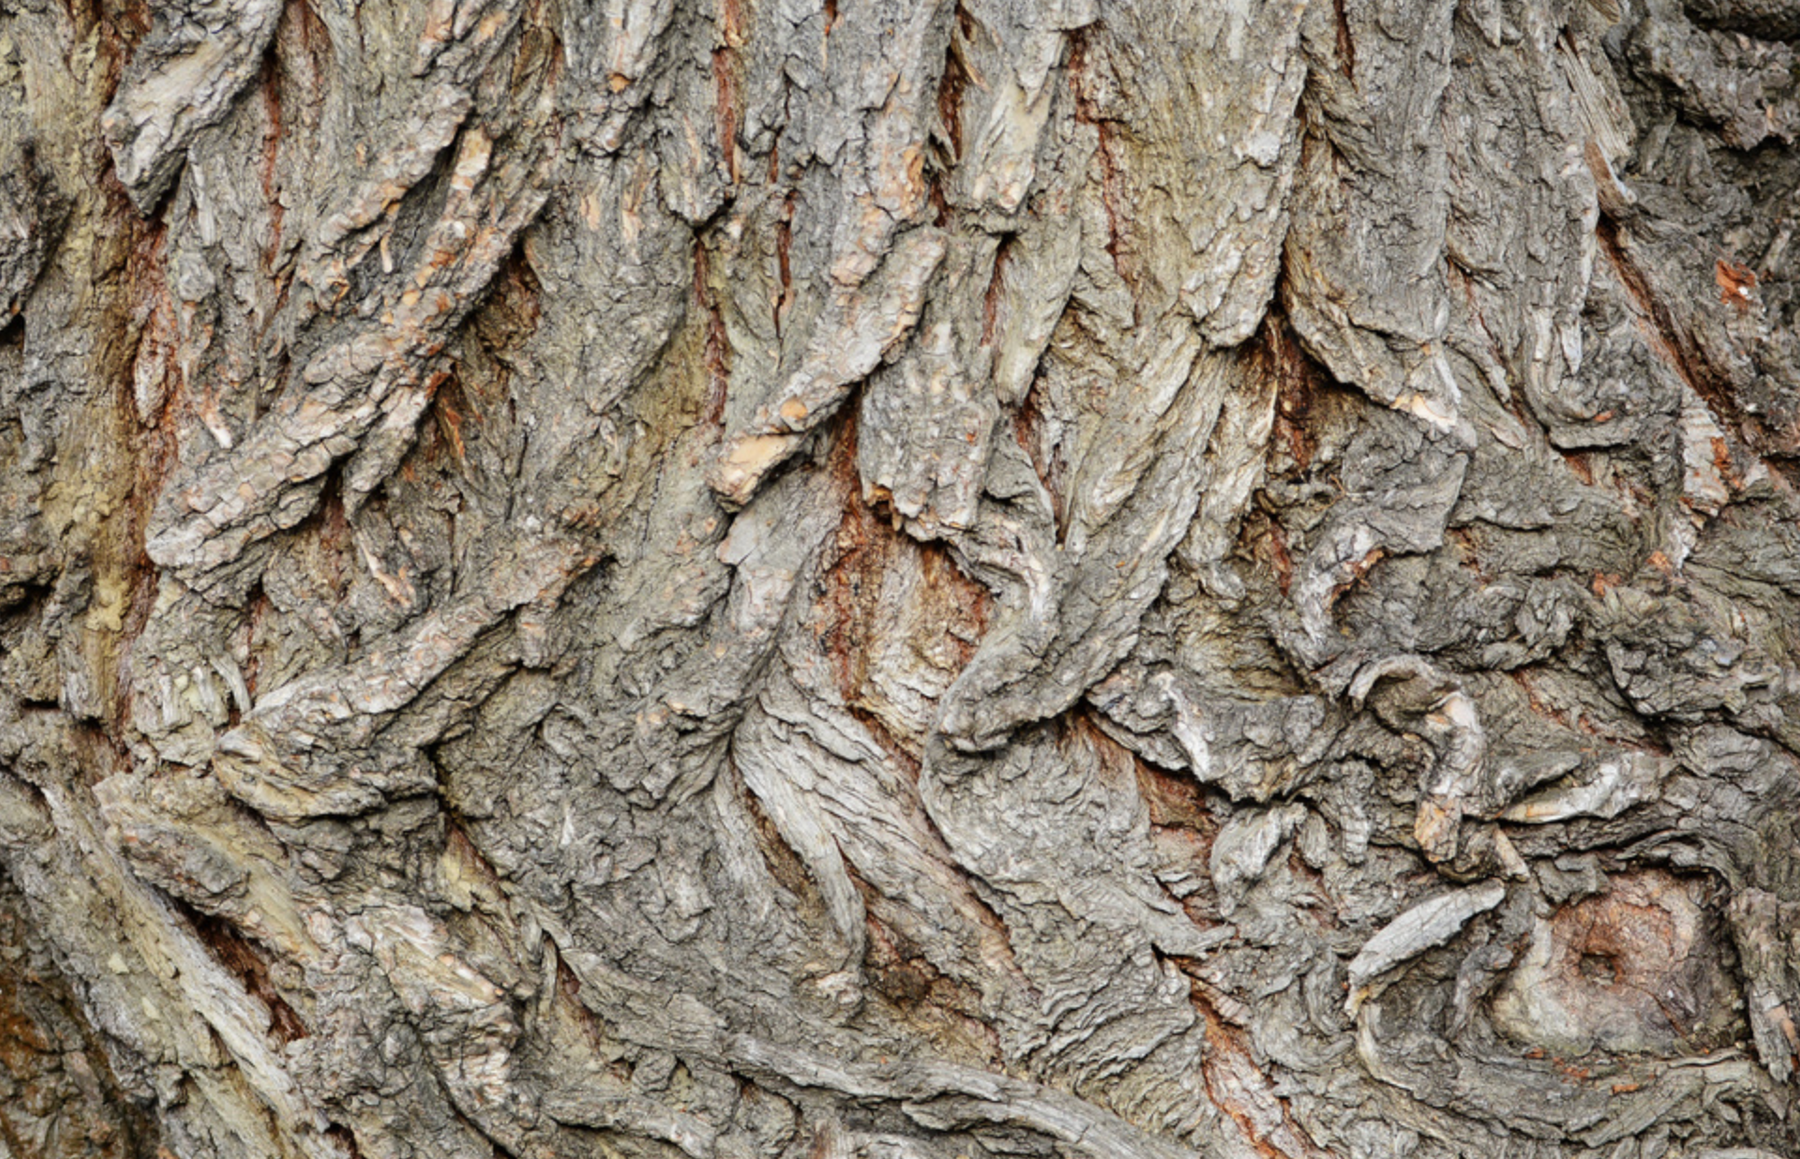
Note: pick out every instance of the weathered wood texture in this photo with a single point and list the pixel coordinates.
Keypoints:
(899, 578)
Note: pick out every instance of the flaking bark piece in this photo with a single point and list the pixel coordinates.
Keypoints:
(1428, 924)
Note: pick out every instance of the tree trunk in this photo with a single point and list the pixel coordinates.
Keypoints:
(901, 579)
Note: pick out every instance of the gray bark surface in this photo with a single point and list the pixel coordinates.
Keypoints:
(909, 580)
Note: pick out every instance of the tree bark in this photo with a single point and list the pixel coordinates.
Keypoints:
(736, 578)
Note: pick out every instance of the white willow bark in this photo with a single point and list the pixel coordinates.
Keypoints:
(899, 578)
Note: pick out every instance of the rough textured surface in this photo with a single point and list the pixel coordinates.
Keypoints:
(736, 578)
